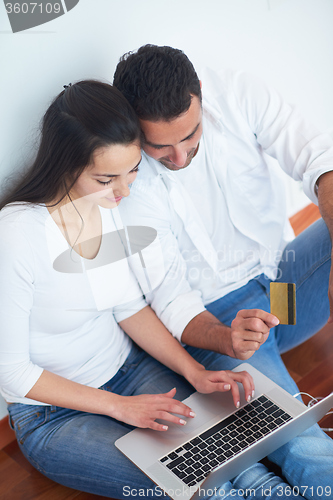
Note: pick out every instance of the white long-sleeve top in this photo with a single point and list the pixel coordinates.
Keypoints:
(222, 220)
(59, 312)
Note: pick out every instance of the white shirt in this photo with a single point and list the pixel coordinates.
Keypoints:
(237, 256)
(245, 126)
(59, 312)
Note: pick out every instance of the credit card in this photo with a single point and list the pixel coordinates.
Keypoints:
(283, 302)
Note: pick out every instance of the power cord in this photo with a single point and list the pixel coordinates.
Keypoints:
(311, 403)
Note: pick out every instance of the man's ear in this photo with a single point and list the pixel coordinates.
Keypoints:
(200, 84)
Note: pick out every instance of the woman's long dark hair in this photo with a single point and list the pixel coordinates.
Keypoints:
(85, 116)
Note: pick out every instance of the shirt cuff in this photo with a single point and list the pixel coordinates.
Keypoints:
(23, 383)
(129, 309)
(310, 180)
(177, 315)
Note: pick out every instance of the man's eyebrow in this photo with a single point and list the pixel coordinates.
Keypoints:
(117, 175)
(157, 146)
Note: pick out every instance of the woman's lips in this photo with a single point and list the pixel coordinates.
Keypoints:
(115, 200)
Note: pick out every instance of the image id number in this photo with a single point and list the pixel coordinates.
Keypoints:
(319, 491)
(30, 8)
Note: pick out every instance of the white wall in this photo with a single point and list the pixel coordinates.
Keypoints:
(289, 43)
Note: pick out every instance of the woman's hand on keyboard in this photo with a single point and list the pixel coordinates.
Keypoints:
(144, 409)
(207, 381)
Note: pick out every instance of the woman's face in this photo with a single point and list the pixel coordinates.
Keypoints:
(107, 179)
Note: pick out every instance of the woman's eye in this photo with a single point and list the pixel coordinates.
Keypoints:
(105, 183)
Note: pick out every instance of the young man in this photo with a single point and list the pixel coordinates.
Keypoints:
(209, 187)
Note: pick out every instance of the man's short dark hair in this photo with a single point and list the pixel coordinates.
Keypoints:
(159, 82)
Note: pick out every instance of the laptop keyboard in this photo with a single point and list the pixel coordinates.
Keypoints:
(194, 460)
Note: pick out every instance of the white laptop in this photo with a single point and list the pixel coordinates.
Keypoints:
(221, 441)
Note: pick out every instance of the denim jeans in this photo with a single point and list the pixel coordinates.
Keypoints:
(308, 459)
(77, 449)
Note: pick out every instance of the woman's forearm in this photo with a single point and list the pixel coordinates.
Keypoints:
(140, 410)
(151, 335)
(59, 391)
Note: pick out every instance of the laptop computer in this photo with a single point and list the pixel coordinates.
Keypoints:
(221, 441)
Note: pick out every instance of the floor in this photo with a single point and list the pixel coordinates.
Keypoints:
(310, 365)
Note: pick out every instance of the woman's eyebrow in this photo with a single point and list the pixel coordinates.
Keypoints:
(117, 175)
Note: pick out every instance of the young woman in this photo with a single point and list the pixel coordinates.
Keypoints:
(73, 378)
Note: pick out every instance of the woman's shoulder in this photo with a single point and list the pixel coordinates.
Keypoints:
(21, 221)
(21, 236)
(21, 213)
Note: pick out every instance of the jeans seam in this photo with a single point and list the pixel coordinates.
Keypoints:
(312, 270)
(76, 477)
(29, 432)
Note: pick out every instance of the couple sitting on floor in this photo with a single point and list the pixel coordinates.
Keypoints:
(86, 351)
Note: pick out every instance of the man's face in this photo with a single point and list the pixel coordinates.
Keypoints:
(174, 143)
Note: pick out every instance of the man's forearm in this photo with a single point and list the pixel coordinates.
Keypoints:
(248, 331)
(205, 331)
(325, 199)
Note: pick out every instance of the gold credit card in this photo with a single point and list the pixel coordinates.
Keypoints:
(283, 302)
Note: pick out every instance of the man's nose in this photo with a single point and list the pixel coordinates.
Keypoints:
(179, 156)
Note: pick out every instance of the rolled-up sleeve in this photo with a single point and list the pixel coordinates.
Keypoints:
(301, 149)
(128, 309)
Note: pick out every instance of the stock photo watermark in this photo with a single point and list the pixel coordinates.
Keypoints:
(206, 493)
(231, 265)
(25, 15)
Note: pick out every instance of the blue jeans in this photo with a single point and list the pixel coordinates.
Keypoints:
(307, 459)
(77, 449)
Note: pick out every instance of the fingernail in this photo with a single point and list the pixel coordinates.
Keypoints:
(248, 399)
(275, 321)
(165, 427)
(192, 414)
(182, 422)
(238, 404)
(253, 394)
(227, 387)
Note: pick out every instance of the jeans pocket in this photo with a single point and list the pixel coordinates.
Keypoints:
(131, 363)
(24, 419)
(133, 359)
